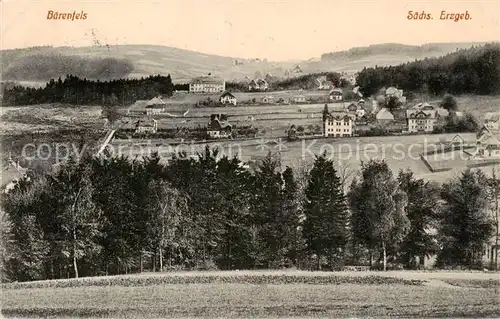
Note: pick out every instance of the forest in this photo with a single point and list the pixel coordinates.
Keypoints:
(468, 71)
(111, 215)
(77, 91)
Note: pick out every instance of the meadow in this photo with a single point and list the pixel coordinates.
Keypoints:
(264, 294)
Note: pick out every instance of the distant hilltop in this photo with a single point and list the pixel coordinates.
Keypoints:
(103, 62)
(416, 51)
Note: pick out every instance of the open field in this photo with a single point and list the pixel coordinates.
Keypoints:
(268, 294)
(400, 152)
(48, 117)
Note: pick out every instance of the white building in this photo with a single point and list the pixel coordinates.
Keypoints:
(337, 124)
(11, 175)
(146, 126)
(207, 84)
(227, 98)
(336, 95)
(421, 120)
(488, 143)
(299, 99)
(155, 106)
(492, 121)
(268, 99)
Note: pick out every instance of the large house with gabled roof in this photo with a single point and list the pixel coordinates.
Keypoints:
(421, 120)
(337, 124)
(207, 84)
(218, 127)
(227, 98)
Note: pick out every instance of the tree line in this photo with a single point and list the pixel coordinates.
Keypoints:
(113, 215)
(468, 71)
(77, 91)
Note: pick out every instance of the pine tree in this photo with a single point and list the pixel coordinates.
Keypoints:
(326, 215)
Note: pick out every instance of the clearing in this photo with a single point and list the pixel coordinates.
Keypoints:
(261, 294)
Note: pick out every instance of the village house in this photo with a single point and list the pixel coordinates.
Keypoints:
(423, 107)
(421, 120)
(227, 98)
(351, 107)
(354, 110)
(384, 116)
(351, 78)
(12, 175)
(207, 84)
(492, 121)
(218, 127)
(268, 100)
(323, 83)
(146, 126)
(258, 85)
(395, 92)
(488, 143)
(360, 112)
(337, 124)
(299, 99)
(335, 95)
(155, 106)
(283, 100)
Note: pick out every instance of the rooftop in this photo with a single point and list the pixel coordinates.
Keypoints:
(207, 80)
(492, 116)
(156, 101)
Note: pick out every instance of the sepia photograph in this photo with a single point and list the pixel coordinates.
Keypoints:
(249, 159)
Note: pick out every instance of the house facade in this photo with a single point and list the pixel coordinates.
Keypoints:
(337, 124)
(146, 126)
(492, 121)
(488, 143)
(335, 95)
(155, 106)
(323, 83)
(218, 127)
(12, 175)
(258, 85)
(227, 98)
(421, 120)
(268, 100)
(384, 116)
(299, 99)
(207, 84)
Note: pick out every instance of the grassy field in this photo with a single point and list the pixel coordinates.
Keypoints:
(259, 294)
(401, 152)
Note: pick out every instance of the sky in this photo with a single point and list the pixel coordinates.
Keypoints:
(278, 30)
